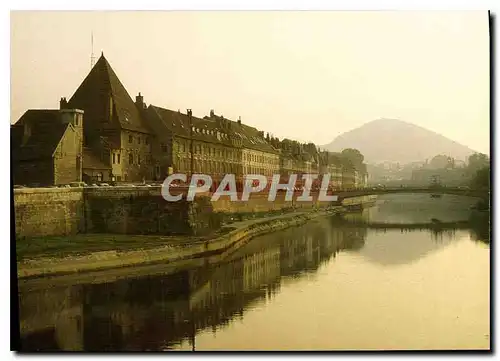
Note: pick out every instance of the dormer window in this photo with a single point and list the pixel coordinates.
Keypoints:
(126, 116)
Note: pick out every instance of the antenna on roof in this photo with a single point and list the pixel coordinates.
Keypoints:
(92, 57)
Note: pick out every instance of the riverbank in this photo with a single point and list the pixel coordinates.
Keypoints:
(95, 252)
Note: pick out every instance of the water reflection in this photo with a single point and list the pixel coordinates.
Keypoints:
(155, 313)
(162, 311)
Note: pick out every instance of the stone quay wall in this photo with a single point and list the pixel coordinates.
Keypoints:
(48, 211)
(132, 210)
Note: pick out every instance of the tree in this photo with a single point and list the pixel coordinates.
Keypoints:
(476, 162)
(354, 156)
(481, 180)
(442, 161)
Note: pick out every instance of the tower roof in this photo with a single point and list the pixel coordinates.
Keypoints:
(93, 97)
(46, 133)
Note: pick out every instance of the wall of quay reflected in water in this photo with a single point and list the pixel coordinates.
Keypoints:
(331, 284)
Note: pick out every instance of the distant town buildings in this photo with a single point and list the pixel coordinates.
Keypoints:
(102, 135)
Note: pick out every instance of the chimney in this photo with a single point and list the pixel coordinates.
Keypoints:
(139, 101)
(212, 114)
(63, 103)
(239, 120)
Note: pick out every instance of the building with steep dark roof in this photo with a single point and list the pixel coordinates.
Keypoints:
(47, 147)
(114, 125)
(123, 140)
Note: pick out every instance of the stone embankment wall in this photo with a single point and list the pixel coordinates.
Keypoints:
(48, 211)
(131, 210)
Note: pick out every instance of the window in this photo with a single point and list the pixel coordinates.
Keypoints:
(118, 158)
(114, 158)
(131, 158)
(138, 140)
(130, 139)
(138, 159)
(147, 140)
(164, 148)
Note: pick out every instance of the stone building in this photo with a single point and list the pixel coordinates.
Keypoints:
(113, 124)
(114, 138)
(219, 145)
(215, 151)
(47, 147)
(94, 169)
(258, 156)
(331, 163)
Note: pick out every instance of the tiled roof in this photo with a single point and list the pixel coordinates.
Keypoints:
(178, 123)
(253, 138)
(92, 96)
(45, 134)
(213, 129)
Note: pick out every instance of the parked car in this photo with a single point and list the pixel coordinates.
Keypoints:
(104, 185)
(18, 186)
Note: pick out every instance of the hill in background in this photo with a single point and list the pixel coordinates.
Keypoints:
(392, 140)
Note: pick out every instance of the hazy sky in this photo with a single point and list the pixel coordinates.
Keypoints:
(304, 75)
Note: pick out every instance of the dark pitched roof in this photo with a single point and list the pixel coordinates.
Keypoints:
(46, 131)
(212, 129)
(253, 138)
(178, 123)
(93, 161)
(92, 96)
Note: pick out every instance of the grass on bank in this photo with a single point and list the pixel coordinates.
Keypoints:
(81, 244)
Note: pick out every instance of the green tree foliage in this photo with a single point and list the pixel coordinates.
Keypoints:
(353, 157)
(481, 180)
(476, 162)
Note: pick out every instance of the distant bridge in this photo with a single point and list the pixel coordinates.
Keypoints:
(479, 193)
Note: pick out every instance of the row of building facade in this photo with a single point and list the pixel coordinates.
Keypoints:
(101, 134)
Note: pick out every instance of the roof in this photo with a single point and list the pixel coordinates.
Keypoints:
(214, 129)
(253, 138)
(93, 97)
(46, 131)
(92, 161)
(178, 123)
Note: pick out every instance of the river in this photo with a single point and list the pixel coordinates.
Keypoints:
(337, 283)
